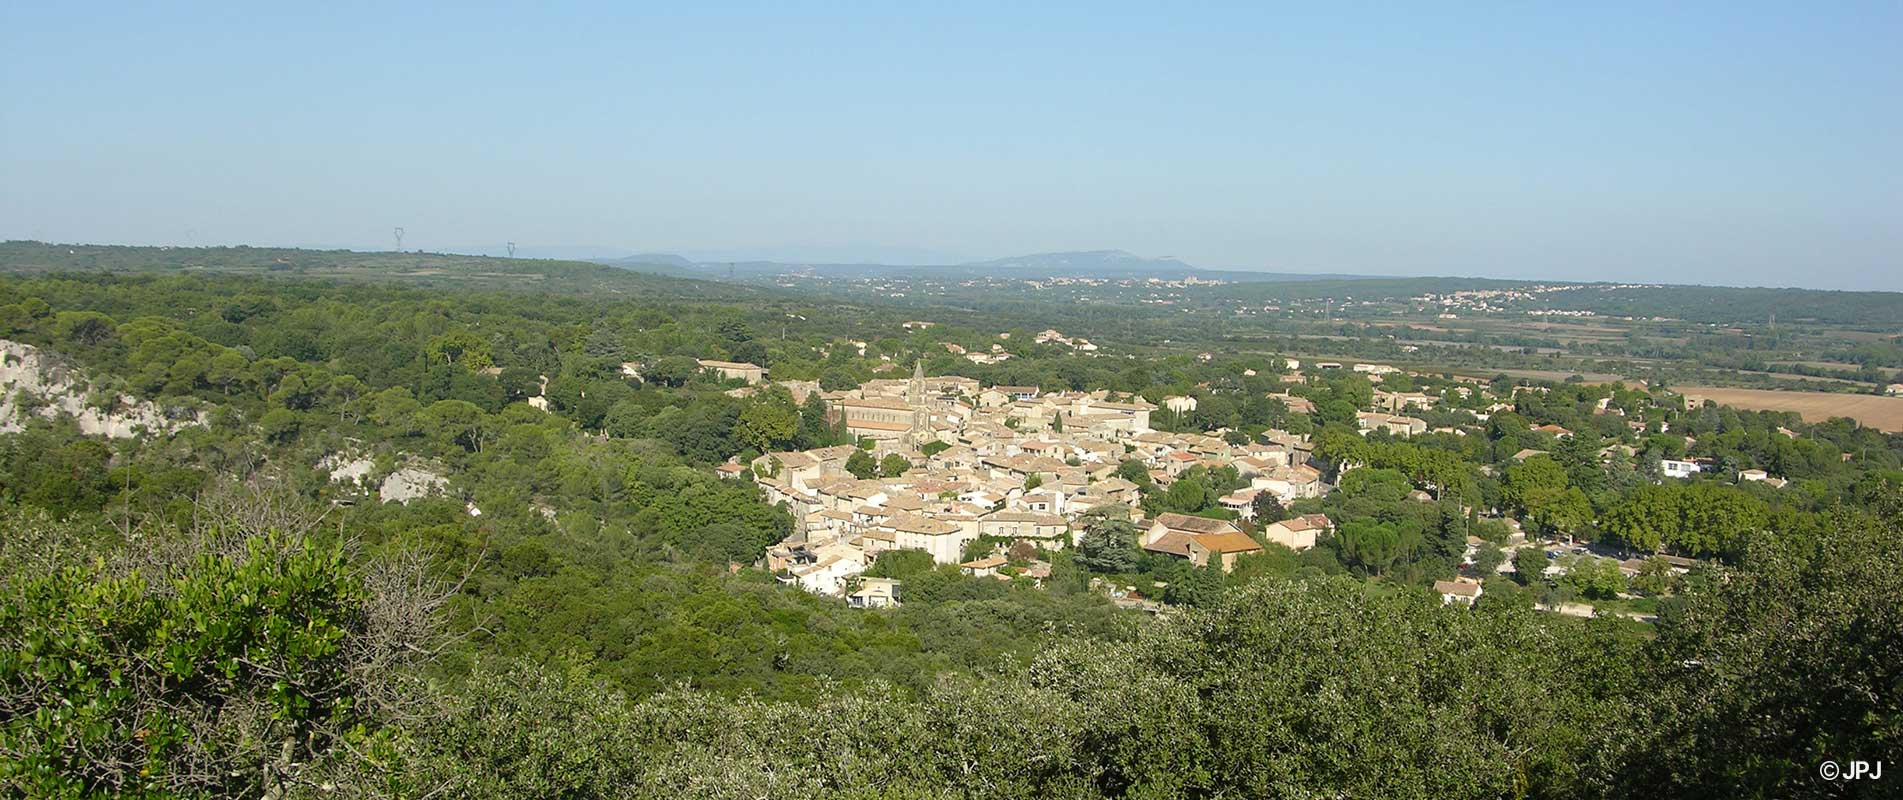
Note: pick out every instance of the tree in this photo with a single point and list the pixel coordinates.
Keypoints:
(766, 426)
(1186, 495)
(670, 371)
(458, 422)
(1196, 586)
(1335, 412)
(626, 420)
(1646, 518)
(396, 409)
(1021, 551)
(343, 392)
(1341, 446)
(1655, 577)
(1371, 545)
(1493, 530)
(1507, 425)
(1556, 596)
(463, 348)
(1529, 564)
(1567, 513)
(1267, 508)
(900, 564)
(1785, 662)
(725, 542)
(294, 393)
(519, 383)
(1596, 578)
(83, 328)
(748, 352)
(1057, 422)
(1501, 594)
(1444, 472)
(734, 331)
(227, 665)
(815, 425)
(227, 371)
(1537, 487)
(1717, 518)
(1134, 471)
(1664, 445)
(1488, 558)
(837, 380)
(280, 425)
(894, 465)
(1108, 543)
(862, 465)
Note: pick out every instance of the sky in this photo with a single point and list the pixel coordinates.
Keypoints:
(1733, 143)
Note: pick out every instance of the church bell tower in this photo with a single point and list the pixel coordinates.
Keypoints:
(921, 410)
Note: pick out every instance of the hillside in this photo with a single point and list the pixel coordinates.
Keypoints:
(1098, 264)
(493, 555)
(434, 270)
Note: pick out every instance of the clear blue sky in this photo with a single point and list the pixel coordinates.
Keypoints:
(1723, 142)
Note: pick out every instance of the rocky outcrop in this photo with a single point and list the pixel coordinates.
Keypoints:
(410, 483)
(415, 479)
(35, 384)
(347, 467)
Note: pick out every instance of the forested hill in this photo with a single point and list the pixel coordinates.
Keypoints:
(433, 270)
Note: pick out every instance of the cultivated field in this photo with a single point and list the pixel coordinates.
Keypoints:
(1485, 373)
(1882, 413)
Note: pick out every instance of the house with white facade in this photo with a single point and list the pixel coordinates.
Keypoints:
(1675, 468)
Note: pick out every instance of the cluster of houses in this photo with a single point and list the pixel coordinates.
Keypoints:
(1010, 464)
(1015, 464)
(997, 354)
(1078, 343)
(1687, 467)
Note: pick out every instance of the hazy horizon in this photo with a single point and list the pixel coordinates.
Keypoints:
(1703, 143)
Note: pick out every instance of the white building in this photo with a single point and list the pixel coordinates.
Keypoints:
(829, 573)
(1298, 533)
(875, 593)
(1463, 591)
(1673, 468)
(944, 540)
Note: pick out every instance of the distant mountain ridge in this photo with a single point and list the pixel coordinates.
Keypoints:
(668, 259)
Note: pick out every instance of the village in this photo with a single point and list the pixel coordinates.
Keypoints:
(1004, 463)
(990, 478)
